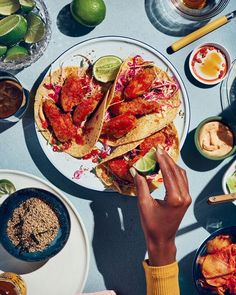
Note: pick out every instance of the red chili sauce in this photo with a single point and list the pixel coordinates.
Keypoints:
(7, 288)
(11, 98)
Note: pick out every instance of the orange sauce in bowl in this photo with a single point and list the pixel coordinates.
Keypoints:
(209, 64)
(195, 4)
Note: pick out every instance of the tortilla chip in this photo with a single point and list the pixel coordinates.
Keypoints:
(108, 179)
(93, 125)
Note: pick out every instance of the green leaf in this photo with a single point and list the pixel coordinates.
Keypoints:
(6, 187)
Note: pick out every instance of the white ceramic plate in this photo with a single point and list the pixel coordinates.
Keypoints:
(65, 273)
(230, 171)
(93, 49)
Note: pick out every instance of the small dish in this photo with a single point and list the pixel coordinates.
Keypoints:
(202, 251)
(14, 100)
(209, 63)
(229, 172)
(228, 89)
(223, 147)
(211, 9)
(19, 239)
(35, 50)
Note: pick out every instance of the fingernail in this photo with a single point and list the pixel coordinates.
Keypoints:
(132, 171)
(160, 151)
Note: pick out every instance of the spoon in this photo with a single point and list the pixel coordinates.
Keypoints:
(213, 200)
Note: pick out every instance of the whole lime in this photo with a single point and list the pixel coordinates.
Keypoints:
(88, 12)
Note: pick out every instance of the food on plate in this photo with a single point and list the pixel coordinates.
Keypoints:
(69, 109)
(143, 100)
(105, 69)
(218, 266)
(33, 225)
(6, 187)
(114, 169)
(231, 183)
(209, 64)
(216, 139)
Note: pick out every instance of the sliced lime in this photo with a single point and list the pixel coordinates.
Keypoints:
(27, 5)
(3, 50)
(12, 29)
(8, 7)
(231, 183)
(147, 163)
(106, 68)
(6, 187)
(16, 52)
(36, 28)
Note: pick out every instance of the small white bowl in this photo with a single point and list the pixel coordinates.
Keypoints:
(230, 171)
(214, 81)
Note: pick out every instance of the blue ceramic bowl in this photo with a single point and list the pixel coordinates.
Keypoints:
(14, 201)
(197, 274)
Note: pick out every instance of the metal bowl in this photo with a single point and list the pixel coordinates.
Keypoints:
(211, 9)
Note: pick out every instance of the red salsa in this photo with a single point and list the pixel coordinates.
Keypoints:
(11, 98)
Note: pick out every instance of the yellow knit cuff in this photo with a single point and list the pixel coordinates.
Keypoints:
(165, 271)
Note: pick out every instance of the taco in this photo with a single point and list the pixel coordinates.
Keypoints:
(114, 170)
(69, 110)
(143, 100)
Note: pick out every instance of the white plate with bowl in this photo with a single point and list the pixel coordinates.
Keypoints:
(65, 273)
(81, 171)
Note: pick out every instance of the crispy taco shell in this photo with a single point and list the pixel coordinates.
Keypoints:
(150, 123)
(111, 182)
(93, 125)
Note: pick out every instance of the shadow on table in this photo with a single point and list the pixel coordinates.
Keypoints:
(186, 282)
(118, 244)
(167, 20)
(68, 26)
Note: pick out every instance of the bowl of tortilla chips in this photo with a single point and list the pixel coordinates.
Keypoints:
(214, 263)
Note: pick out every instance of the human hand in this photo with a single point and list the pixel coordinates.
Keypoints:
(160, 219)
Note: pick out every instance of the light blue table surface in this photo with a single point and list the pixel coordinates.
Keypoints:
(116, 241)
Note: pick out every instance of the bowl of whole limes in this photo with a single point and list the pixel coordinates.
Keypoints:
(25, 31)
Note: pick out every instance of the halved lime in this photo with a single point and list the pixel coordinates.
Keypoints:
(231, 183)
(6, 187)
(106, 68)
(147, 163)
(16, 52)
(36, 28)
(27, 5)
(8, 7)
(12, 29)
(3, 50)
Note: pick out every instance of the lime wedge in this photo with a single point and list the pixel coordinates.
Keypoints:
(27, 5)
(106, 68)
(6, 187)
(3, 50)
(8, 7)
(16, 52)
(12, 29)
(36, 28)
(147, 164)
(231, 183)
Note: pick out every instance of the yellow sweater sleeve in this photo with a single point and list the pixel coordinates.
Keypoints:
(162, 280)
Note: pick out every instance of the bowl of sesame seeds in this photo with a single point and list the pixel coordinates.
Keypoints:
(35, 224)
